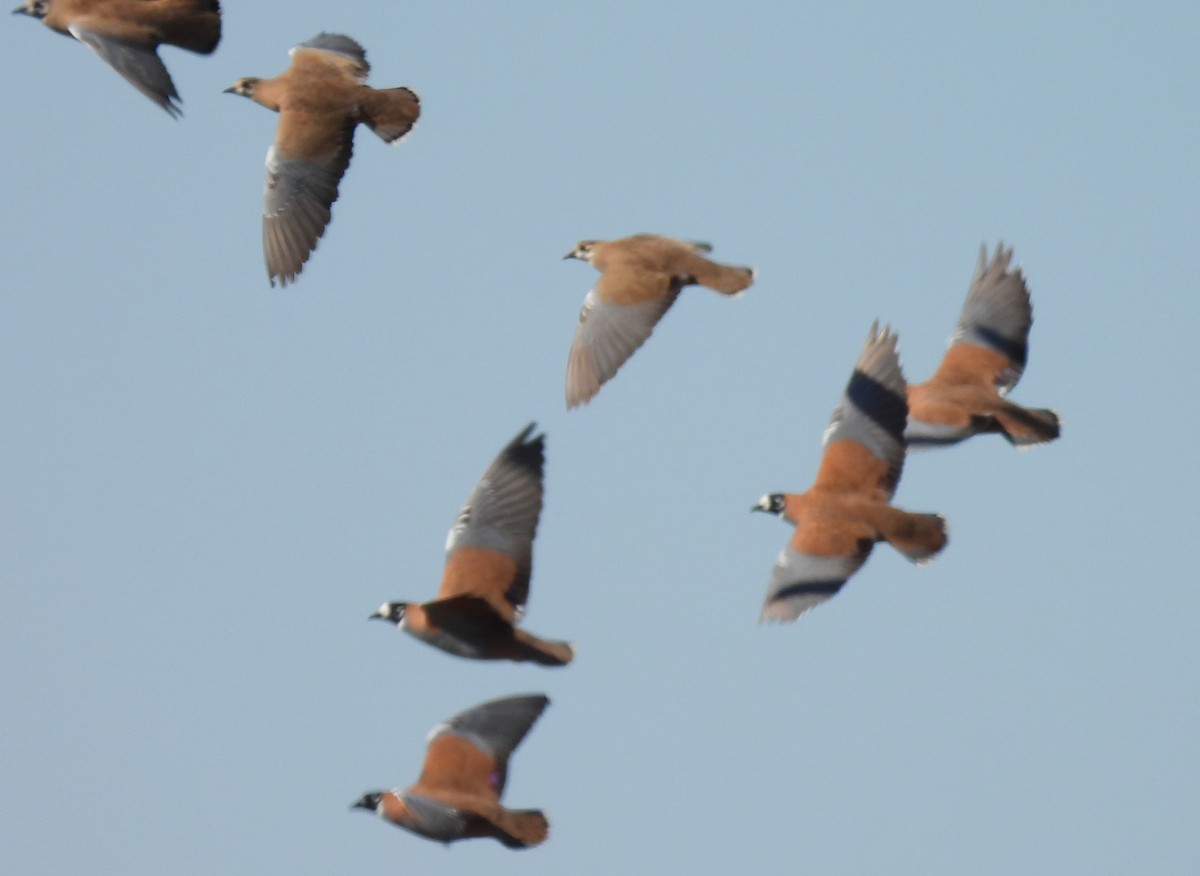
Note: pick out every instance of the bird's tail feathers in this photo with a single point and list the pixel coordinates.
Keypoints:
(521, 828)
(196, 28)
(391, 112)
(542, 651)
(1028, 427)
(920, 537)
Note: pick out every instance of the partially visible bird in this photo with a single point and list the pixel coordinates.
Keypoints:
(988, 351)
(320, 99)
(640, 278)
(489, 561)
(466, 764)
(126, 35)
(847, 509)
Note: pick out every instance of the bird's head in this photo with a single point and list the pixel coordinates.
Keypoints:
(369, 801)
(772, 503)
(390, 611)
(582, 251)
(33, 8)
(244, 86)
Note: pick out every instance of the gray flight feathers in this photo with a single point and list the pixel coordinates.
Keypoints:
(297, 207)
(606, 337)
(498, 726)
(800, 582)
(341, 45)
(140, 65)
(503, 509)
(433, 819)
(874, 408)
(998, 312)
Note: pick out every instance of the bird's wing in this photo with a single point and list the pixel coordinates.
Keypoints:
(489, 550)
(304, 166)
(990, 344)
(469, 752)
(470, 618)
(140, 65)
(610, 330)
(864, 443)
(801, 581)
(432, 818)
(336, 49)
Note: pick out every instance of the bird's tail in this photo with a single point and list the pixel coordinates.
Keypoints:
(194, 25)
(521, 828)
(726, 279)
(543, 651)
(920, 537)
(1027, 427)
(391, 112)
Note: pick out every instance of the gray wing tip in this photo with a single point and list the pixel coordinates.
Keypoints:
(336, 42)
(880, 358)
(526, 452)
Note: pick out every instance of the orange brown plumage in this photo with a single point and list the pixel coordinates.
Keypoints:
(847, 510)
(489, 562)
(640, 278)
(126, 35)
(987, 356)
(457, 795)
(320, 99)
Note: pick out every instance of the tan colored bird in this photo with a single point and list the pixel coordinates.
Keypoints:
(640, 278)
(126, 35)
(847, 510)
(987, 355)
(489, 561)
(466, 765)
(320, 99)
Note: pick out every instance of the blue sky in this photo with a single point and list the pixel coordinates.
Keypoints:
(209, 484)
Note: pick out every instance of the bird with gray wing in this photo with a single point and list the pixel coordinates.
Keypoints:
(466, 766)
(848, 508)
(321, 98)
(126, 35)
(489, 561)
(640, 278)
(986, 358)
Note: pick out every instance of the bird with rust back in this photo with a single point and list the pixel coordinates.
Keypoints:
(640, 278)
(466, 764)
(848, 508)
(320, 99)
(489, 561)
(987, 355)
(126, 35)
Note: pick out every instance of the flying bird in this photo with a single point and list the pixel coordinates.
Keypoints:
(640, 278)
(988, 351)
(489, 561)
(847, 510)
(126, 35)
(320, 99)
(466, 764)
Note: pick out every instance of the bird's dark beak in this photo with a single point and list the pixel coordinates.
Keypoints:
(762, 505)
(22, 10)
(379, 615)
(231, 90)
(570, 255)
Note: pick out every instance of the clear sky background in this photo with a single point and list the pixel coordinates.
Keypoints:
(207, 484)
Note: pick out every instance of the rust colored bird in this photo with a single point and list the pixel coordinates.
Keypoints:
(489, 561)
(988, 351)
(126, 35)
(320, 99)
(640, 278)
(847, 510)
(466, 764)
